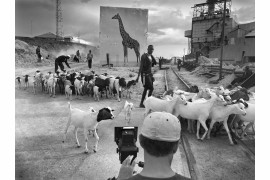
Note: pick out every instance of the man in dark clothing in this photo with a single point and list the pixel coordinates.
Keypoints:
(77, 56)
(247, 73)
(147, 61)
(89, 59)
(59, 62)
(179, 64)
(38, 53)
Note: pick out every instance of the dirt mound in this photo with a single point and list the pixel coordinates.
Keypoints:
(25, 55)
(25, 51)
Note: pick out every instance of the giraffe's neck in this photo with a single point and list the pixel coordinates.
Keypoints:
(121, 27)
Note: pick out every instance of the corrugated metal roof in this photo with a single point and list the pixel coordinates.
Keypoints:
(251, 34)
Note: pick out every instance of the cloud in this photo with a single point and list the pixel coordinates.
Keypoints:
(85, 1)
(245, 14)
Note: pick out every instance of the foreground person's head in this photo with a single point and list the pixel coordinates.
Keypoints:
(160, 135)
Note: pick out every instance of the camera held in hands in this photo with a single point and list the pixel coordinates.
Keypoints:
(125, 138)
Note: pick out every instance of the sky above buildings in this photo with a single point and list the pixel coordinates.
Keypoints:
(167, 19)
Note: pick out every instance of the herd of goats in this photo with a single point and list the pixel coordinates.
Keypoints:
(232, 109)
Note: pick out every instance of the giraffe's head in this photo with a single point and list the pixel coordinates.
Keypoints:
(117, 16)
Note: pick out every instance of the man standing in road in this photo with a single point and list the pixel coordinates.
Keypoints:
(89, 59)
(147, 61)
(59, 62)
(38, 53)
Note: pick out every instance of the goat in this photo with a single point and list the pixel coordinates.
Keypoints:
(128, 88)
(197, 110)
(128, 107)
(19, 82)
(87, 120)
(68, 92)
(249, 117)
(220, 113)
(51, 85)
(154, 104)
(38, 77)
(116, 86)
(78, 83)
(26, 81)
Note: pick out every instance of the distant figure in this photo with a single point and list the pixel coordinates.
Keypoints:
(179, 64)
(160, 62)
(59, 62)
(77, 56)
(38, 53)
(89, 59)
(247, 74)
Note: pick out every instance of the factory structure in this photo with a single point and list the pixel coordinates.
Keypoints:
(204, 38)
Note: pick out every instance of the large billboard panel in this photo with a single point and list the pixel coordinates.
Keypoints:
(123, 35)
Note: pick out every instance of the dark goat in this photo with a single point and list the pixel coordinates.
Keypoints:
(242, 93)
(19, 81)
(88, 78)
(102, 85)
(194, 89)
(61, 83)
(26, 80)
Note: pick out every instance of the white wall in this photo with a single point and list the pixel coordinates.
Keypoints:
(135, 22)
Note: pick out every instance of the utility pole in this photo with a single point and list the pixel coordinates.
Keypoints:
(222, 40)
(184, 55)
(31, 28)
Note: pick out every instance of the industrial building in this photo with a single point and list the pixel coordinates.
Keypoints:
(205, 36)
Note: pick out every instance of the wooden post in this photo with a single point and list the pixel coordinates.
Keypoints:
(108, 60)
(222, 40)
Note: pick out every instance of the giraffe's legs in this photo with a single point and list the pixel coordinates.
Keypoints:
(137, 52)
(125, 54)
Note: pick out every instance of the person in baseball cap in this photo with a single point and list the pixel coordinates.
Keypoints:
(159, 137)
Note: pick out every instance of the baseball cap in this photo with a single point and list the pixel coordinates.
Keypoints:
(161, 126)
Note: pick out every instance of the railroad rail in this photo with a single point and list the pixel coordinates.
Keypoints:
(193, 170)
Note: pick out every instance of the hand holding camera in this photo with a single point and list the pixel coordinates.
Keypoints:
(127, 168)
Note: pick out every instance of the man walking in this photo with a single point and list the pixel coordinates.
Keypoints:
(89, 59)
(59, 62)
(147, 61)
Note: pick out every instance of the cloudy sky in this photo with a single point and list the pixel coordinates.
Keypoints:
(168, 19)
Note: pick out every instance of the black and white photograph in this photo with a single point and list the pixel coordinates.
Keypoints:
(133, 90)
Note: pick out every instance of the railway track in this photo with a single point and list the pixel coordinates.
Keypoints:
(193, 169)
(245, 145)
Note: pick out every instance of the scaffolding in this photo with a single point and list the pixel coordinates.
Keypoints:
(206, 25)
(211, 10)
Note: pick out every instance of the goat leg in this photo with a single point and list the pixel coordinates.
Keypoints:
(77, 141)
(86, 140)
(97, 139)
(205, 128)
(228, 132)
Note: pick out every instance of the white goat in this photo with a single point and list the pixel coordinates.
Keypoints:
(197, 110)
(78, 84)
(128, 107)
(249, 117)
(68, 92)
(87, 120)
(51, 85)
(154, 104)
(220, 113)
